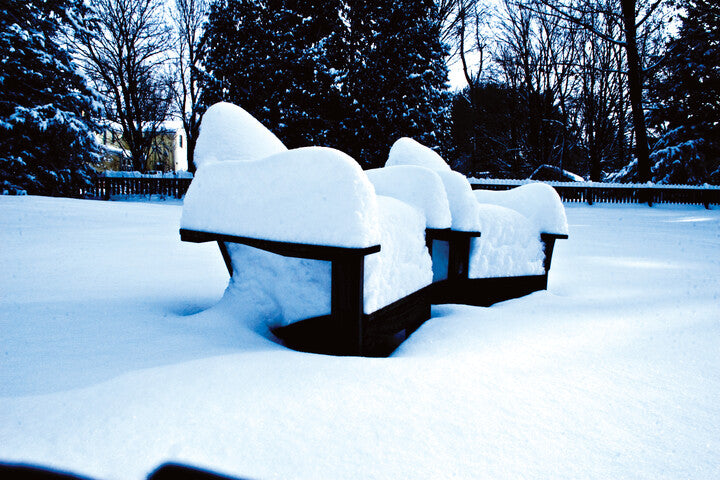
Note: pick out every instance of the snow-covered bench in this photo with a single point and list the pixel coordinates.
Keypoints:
(514, 255)
(435, 193)
(499, 244)
(335, 267)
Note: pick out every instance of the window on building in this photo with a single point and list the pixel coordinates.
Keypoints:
(180, 139)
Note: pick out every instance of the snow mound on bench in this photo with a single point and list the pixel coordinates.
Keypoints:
(229, 133)
(417, 186)
(285, 289)
(539, 202)
(403, 264)
(289, 289)
(463, 205)
(312, 195)
(509, 246)
(406, 151)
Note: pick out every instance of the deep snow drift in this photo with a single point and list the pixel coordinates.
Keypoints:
(113, 359)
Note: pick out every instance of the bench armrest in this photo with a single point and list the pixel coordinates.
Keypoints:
(556, 236)
(286, 249)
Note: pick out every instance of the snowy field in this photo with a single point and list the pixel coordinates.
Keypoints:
(115, 356)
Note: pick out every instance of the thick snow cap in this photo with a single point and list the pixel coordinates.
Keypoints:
(463, 207)
(509, 246)
(403, 265)
(417, 186)
(229, 133)
(539, 202)
(311, 195)
(407, 151)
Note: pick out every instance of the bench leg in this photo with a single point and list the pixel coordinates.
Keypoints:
(346, 300)
(459, 258)
(549, 242)
(226, 257)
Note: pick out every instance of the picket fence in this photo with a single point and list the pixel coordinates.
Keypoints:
(589, 192)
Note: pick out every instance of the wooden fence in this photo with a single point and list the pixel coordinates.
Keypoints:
(108, 187)
(590, 192)
(618, 193)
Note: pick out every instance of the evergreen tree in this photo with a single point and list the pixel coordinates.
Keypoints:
(282, 61)
(397, 78)
(315, 105)
(238, 64)
(519, 132)
(351, 75)
(687, 97)
(46, 138)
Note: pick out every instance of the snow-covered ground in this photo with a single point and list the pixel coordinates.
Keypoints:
(114, 360)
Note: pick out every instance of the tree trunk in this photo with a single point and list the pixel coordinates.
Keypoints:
(472, 90)
(191, 141)
(635, 87)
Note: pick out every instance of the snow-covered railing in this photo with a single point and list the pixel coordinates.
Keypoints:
(589, 192)
(592, 192)
(106, 187)
(153, 174)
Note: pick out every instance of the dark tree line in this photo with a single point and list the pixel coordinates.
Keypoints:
(355, 75)
(562, 70)
(593, 87)
(596, 87)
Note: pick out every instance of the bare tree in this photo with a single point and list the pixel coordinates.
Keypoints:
(538, 58)
(601, 101)
(467, 23)
(124, 45)
(637, 23)
(188, 19)
(446, 14)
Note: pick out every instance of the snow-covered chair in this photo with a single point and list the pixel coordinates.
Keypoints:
(418, 186)
(304, 231)
(500, 244)
(541, 205)
(513, 257)
(448, 245)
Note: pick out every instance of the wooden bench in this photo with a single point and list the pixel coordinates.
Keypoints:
(459, 288)
(347, 330)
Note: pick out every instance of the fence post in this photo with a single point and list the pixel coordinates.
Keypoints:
(588, 195)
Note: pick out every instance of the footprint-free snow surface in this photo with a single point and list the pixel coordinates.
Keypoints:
(119, 352)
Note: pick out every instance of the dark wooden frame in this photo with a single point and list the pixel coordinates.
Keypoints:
(458, 249)
(458, 288)
(347, 330)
